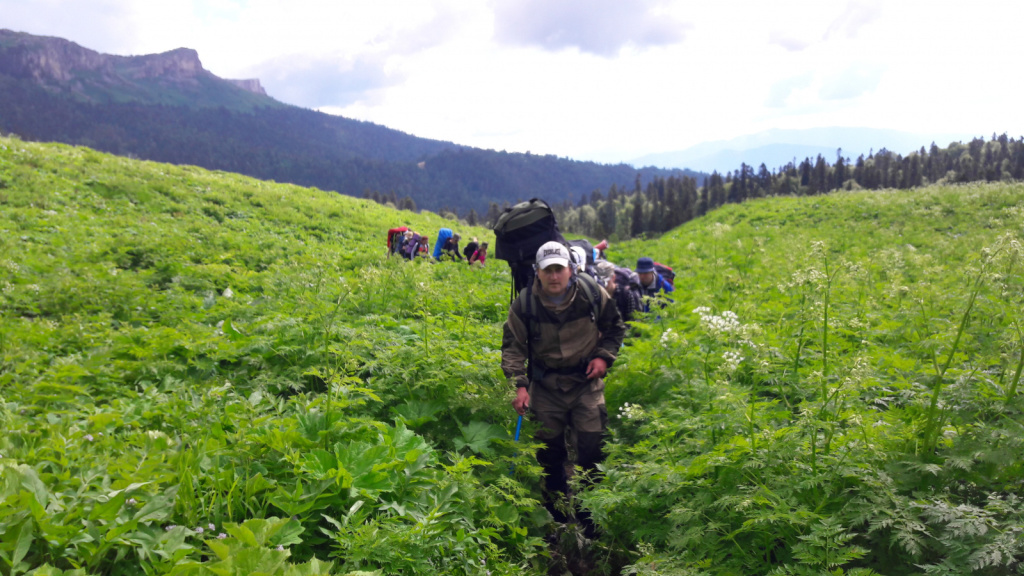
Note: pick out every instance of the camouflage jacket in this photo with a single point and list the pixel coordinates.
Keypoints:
(565, 337)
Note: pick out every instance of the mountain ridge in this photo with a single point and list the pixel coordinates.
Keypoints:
(63, 66)
(166, 107)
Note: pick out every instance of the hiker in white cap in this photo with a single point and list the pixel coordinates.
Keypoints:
(562, 334)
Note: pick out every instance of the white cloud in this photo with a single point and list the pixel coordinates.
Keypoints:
(789, 43)
(851, 82)
(605, 79)
(858, 14)
(601, 27)
(781, 90)
(316, 81)
(98, 24)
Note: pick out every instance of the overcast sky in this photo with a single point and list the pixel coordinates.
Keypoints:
(606, 80)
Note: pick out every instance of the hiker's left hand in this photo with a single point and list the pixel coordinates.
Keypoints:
(597, 368)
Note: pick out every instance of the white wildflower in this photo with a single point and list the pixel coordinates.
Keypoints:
(228, 293)
(732, 360)
(630, 412)
(725, 324)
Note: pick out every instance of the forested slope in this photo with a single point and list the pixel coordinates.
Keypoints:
(290, 144)
(666, 203)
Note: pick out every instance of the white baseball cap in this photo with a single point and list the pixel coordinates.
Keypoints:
(552, 253)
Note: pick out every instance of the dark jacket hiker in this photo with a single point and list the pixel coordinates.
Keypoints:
(651, 282)
(450, 248)
(470, 248)
(561, 336)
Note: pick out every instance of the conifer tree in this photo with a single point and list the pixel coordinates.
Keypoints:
(839, 173)
(764, 181)
(613, 193)
(493, 212)
(636, 227)
(607, 215)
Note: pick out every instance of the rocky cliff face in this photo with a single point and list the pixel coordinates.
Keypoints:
(46, 59)
(59, 64)
(179, 64)
(251, 84)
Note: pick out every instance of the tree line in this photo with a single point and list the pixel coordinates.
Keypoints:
(665, 203)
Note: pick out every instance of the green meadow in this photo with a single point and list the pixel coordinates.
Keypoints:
(206, 374)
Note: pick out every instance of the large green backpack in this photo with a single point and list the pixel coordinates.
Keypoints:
(519, 233)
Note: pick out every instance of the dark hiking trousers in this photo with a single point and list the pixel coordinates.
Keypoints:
(581, 409)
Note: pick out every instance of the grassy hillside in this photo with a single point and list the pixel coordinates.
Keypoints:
(189, 348)
(202, 373)
(835, 390)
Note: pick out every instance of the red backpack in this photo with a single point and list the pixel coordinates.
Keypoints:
(395, 238)
(666, 272)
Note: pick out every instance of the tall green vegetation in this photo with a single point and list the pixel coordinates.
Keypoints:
(835, 390)
(202, 373)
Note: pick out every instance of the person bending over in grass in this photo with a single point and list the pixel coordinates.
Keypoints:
(470, 248)
(562, 334)
(480, 256)
(421, 249)
(450, 249)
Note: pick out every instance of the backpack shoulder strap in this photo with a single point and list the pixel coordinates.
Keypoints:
(593, 292)
(529, 312)
(529, 307)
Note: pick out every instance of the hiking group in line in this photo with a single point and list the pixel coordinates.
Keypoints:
(412, 245)
(565, 325)
(632, 290)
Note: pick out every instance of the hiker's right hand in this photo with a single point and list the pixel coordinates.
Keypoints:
(521, 401)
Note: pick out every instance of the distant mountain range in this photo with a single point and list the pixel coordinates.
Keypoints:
(167, 107)
(776, 148)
